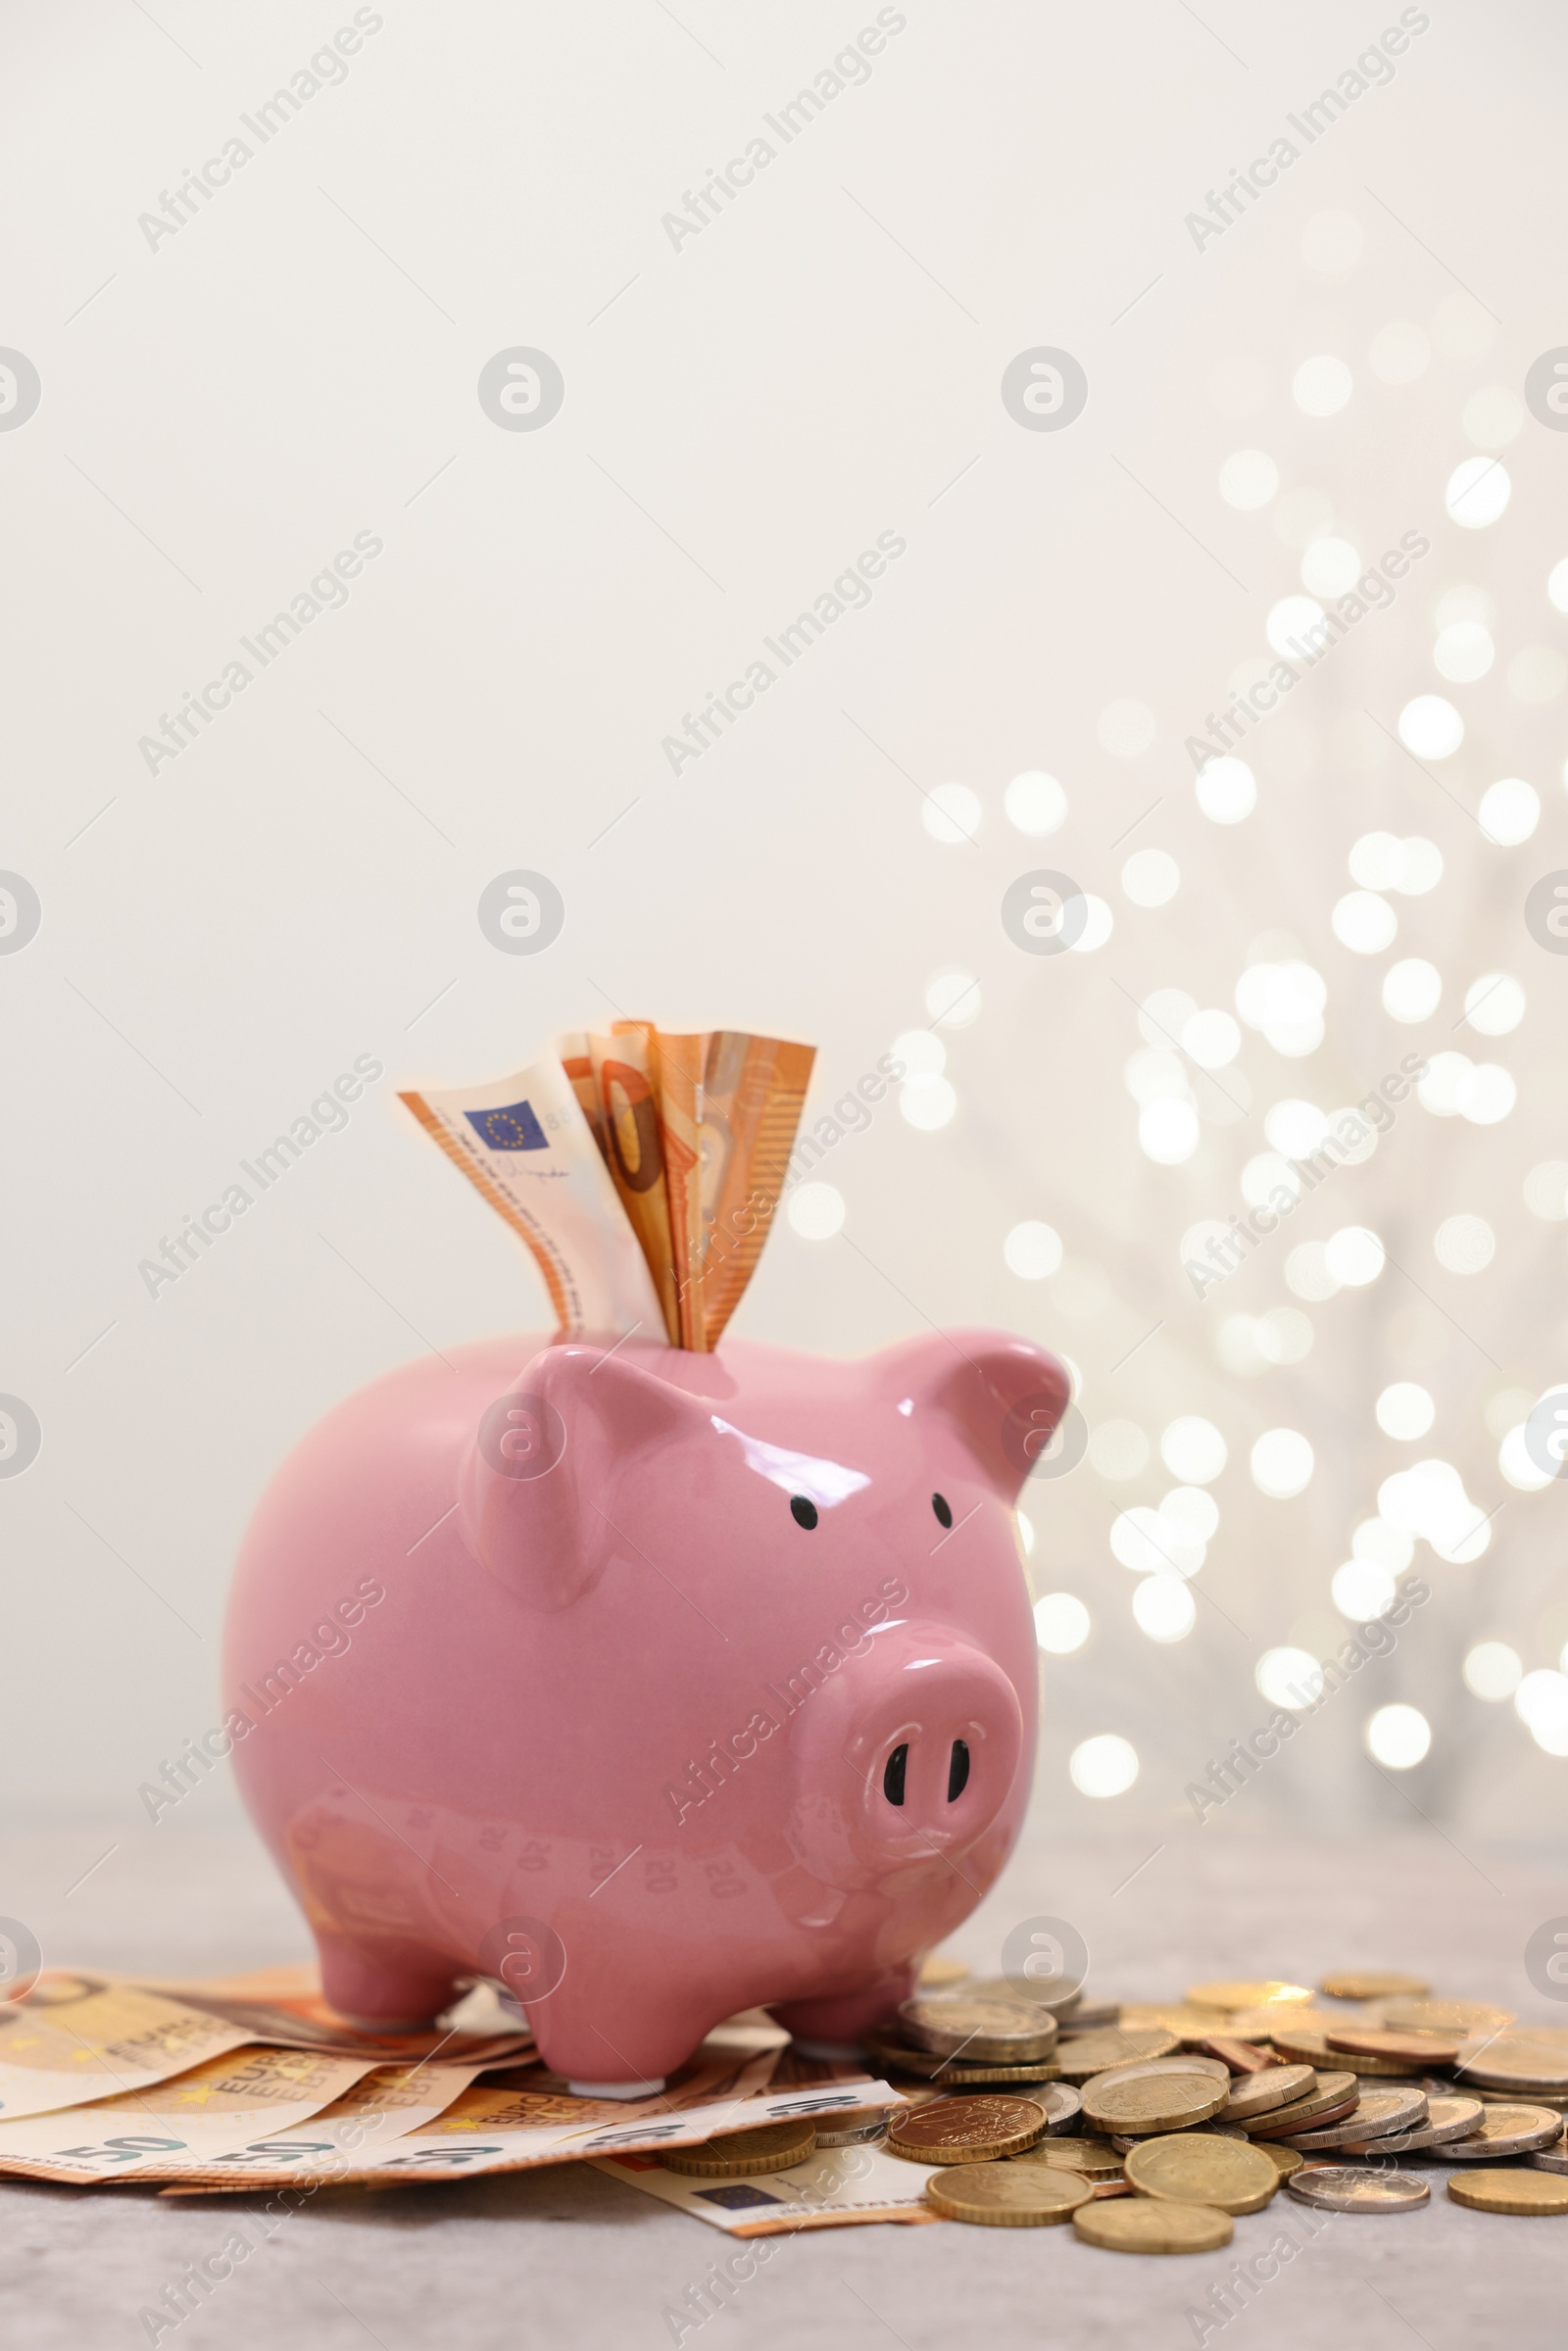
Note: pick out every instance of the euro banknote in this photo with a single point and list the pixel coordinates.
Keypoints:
(197, 2114)
(74, 2039)
(525, 1145)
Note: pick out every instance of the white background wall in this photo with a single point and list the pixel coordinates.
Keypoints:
(221, 414)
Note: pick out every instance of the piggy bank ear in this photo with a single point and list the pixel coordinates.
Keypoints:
(1002, 1397)
(540, 1474)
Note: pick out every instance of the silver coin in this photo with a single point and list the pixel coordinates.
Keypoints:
(1346, 2188)
(1517, 2128)
(1377, 2114)
(1549, 2159)
(1061, 2102)
(1091, 2016)
(1447, 2118)
(859, 2126)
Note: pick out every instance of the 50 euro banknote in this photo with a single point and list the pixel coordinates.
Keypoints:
(642, 1168)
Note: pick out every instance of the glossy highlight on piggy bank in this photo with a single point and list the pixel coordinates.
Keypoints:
(699, 1682)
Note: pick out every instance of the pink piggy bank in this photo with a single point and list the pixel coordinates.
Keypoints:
(654, 1685)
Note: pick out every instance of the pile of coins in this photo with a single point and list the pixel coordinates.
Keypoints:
(1151, 2128)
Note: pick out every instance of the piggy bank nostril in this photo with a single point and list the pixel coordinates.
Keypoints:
(957, 1770)
(893, 1775)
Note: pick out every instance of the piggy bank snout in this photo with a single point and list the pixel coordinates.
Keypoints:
(916, 1752)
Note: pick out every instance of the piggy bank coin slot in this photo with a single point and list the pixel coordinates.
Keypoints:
(943, 1508)
(957, 1770)
(803, 1510)
(893, 1775)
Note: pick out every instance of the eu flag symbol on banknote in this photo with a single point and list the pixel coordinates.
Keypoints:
(514, 1129)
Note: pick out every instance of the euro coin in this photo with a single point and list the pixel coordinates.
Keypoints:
(1409, 2048)
(1549, 2159)
(1373, 1983)
(939, 1970)
(1153, 2225)
(1249, 1992)
(1346, 2188)
(1173, 2016)
(1516, 2061)
(1261, 2093)
(1096, 2158)
(951, 2072)
(1447, 2119)
(1008, 2195)
(738, 2153)
(965, 2129)
(1333, 2092)
(1510, 2191)
(1212, 2069)
(1285, 2160)
(985, 2030)
(1237, 2055)
(1506, 2130)
(1309, 2045)
(1442, 2016)
(1150, 2103)
(851, 2127)
(1056, 1992)
(1377, 2113)
(1124, 2141)
(1081, 2054)
(1196, 2167)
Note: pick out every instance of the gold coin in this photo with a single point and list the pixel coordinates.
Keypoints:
(951, 2072)
(1008, 2195)
(1304, 2046)
(1249, 1992)
(985, 2030)
(1153, 2225)
(1509, 2192)
(1095, 2158)
(1081, 2054)
(965, 2129)
(1333, 2091)
(1285, 2160)
(1410, 2048)
(1262, 2093)
(1442, 2016)
(1280, 2016)
(1056, 1992)
(1213, 2069)
(1143, 2104)
(772, 2149)
(1516, 2061)
(1196, 2167)
(939, 1972)
(1174, 2015)
(1371, 1984)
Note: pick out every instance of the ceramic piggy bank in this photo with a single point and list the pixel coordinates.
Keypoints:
(651, 1684)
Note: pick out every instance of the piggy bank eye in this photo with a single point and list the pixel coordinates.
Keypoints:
(943, 1508)
(803, 1512)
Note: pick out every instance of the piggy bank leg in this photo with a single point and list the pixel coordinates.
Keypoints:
(387, 1988)
(607, 2047)
(835, 2026)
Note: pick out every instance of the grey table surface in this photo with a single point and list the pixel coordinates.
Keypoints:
(567, 2256)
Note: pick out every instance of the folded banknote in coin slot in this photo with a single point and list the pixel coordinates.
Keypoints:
(642, 1170)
